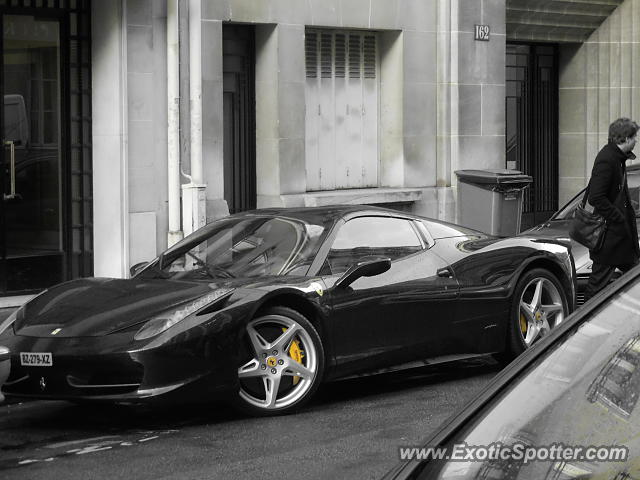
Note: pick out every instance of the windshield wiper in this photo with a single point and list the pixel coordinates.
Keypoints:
(158, 271)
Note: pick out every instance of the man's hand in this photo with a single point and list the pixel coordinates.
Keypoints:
(616, 216)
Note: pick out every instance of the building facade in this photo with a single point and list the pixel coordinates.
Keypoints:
(132, 122)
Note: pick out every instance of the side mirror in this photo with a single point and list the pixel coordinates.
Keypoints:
(364, 268)
(137, 267)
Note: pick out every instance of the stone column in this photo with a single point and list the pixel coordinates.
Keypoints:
(471, 92)
(280, 112)
(109, 130)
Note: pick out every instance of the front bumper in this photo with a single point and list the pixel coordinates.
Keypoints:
(109, 368)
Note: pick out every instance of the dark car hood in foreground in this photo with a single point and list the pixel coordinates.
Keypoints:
(98, 306)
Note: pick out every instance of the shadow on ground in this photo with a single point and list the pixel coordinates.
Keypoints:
(56, 416)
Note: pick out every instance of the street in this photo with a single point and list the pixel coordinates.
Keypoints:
(352, 429)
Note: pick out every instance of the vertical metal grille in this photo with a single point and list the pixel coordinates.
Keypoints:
(545, 132)
(532, 125)
(517, 112)
(239, 117)
(68, 5)
(370, 56)
(311, 54)
(325, 55)
(80, 144)
(354, 56)
(336, 53)
(340, 55)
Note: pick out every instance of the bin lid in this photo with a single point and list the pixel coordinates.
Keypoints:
(494, 176)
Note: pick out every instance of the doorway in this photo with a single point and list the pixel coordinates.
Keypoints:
(532, 125)
(32, 233)
(46, 224)
(239, 142)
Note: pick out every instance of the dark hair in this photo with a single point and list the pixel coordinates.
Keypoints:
(621, 129)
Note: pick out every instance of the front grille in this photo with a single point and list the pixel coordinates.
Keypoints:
(70, 376)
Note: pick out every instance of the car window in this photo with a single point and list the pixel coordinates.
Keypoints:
(583, 392)
(243, 247)
(566, 212)
(371, 236)
(446, 230)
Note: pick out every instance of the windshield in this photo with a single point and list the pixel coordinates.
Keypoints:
(242, 247)
(633, 181)
(584, 392)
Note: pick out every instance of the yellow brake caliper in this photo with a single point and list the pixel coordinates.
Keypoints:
(523, 324)
(296, 353)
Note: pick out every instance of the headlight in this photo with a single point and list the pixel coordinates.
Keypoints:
(166, 320)
(9, 320)
(17, 314)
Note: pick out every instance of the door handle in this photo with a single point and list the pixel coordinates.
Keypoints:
(12, 149)
(445, 272)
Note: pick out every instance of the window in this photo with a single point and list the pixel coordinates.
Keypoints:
(371, 236)
(252, 246)
(341, 124)
(439, 229)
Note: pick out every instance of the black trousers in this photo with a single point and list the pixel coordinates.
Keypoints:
(601, 275)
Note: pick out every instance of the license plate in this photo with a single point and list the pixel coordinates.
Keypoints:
(36, 359)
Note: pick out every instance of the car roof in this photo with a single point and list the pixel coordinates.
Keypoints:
(331, 213)
(324, 213)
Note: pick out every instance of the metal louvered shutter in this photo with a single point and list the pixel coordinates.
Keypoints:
(341, 137)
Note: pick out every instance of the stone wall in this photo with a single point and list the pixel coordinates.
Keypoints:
(441, 107)
(443, 110)
(599, 82)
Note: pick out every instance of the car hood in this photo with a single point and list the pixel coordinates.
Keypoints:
(552, 228)
(98, 306)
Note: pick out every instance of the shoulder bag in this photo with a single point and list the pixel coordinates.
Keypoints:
(589, 228)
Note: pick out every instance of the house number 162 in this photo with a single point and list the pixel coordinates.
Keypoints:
(482, 32)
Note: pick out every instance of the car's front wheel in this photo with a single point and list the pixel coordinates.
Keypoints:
(539, 305)
(283, 365)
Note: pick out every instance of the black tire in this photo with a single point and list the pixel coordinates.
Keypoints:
(516, 343)
(293, 391)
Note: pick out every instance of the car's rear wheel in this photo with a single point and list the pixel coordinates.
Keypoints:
(283, 363)
(539, 305)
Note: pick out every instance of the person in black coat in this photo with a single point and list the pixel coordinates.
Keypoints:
(609, 195)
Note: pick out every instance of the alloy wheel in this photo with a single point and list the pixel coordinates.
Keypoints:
(541, 309)
(283, 366)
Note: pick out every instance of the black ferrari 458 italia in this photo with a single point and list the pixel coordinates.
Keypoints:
(259, 308)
